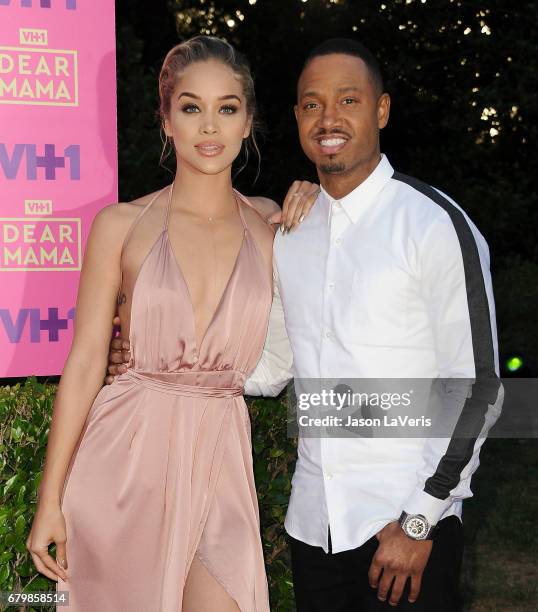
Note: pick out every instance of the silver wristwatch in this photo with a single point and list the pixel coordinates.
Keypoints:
(416, 526)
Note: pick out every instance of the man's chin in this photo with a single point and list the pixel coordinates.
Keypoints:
(332, 167)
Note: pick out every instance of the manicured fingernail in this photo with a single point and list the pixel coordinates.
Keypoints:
(301, 218)
(281, 228)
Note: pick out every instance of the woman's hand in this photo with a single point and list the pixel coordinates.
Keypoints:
(297, 204)
(48, 526)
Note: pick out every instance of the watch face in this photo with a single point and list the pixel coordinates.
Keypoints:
(416, 527)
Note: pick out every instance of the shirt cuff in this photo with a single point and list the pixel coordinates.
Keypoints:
(427, 505)
(264, 382)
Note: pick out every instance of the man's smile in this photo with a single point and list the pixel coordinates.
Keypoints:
(329, 145)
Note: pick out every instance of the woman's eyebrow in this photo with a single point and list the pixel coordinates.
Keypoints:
(189, 95)
(192, 95)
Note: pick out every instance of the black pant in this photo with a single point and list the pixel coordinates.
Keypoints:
(339, 582)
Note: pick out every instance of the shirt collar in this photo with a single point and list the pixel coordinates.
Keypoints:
(355, 202)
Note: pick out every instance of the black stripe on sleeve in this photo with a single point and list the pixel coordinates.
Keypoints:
(486, 386)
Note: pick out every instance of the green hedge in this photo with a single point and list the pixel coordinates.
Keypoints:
(25, 412)
(501, 542)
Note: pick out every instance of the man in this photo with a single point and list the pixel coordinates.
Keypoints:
(385, 278)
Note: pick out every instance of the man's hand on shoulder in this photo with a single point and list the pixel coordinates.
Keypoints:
(397, 559)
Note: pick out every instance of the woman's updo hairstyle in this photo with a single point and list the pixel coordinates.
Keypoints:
(201, 49)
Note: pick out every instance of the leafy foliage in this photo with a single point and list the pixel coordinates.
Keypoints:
(24, 425)
(274, 460)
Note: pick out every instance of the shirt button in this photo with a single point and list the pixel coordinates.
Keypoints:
(337, 204)
(328, 334)
(328, 475)
(330, 286)
(338, 241)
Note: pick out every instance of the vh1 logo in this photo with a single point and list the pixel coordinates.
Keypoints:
(33, 36)
(70, 5)
(31, 319)
(48, 163)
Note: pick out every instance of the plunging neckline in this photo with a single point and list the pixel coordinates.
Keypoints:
(198, 347)
(164, 234)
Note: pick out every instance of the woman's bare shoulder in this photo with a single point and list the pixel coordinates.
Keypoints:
(260, 210)
(265, 206)
(119, 216)
(111, 224)
(262, 232)
(256, 215)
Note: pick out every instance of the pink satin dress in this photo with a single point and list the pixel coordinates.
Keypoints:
(163, 469)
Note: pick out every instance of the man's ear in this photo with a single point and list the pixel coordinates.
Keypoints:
(383, 110)
(296, 110)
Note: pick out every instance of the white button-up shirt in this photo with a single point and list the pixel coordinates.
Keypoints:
(390, 281)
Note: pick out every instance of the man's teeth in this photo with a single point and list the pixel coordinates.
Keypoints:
(332, 142)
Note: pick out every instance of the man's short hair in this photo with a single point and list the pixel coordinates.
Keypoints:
(348, 46)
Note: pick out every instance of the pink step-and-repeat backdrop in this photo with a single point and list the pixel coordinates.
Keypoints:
(58, 167)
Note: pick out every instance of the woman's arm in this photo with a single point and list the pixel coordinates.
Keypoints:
(82, 375)
(81, 380)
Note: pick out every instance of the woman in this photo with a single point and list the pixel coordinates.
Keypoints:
(148, 492)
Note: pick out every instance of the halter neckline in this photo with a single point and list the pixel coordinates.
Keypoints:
(169, 207)
(238, 197)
